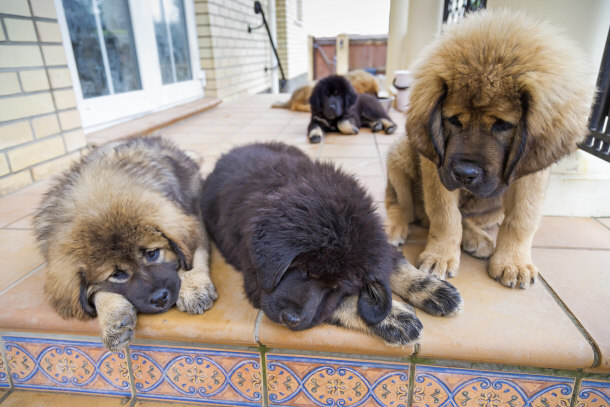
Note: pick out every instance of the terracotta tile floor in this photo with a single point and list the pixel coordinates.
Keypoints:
(563, 321)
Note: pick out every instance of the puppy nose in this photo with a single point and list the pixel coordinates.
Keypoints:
(333, 107)
(159, 298)
(466, 173)
(290, 319)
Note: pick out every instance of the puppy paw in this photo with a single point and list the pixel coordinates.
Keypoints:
(116, 337)
(477, 243)
(376, 126)
(347, 127)
(117, 319)
(197, 295)
(512, 271)
(440, 261)
(401, 327)
(315, 135)
(436, 297)
(390, 129)
(389, 126)
(397, 227)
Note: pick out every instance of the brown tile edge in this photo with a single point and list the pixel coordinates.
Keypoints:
(125, 129)
(575, 321)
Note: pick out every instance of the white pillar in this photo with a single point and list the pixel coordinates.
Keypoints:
(413, 25)
(399, 15)
(342, 53)
(275, 86)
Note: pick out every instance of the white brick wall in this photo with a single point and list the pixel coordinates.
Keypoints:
(40, 129)
(233, 59)
(292, 39)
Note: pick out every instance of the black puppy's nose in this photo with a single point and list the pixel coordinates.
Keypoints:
(333, 107)
(466, 173)
(159, 298)
(290, 319)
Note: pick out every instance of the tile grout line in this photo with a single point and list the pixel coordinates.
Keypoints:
(8, 393)
(601, 223)
(257, 325)
(411, 384)
(575, 321)
(132, 379)
(577, 382)
(20, 279)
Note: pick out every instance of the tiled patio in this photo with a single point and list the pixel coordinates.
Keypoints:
(547, 346)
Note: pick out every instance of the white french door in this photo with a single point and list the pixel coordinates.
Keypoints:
(129, 57)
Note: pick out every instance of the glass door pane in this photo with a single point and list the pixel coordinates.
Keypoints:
(103, 45)
(172, 40)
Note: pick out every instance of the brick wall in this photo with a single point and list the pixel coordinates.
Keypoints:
(233, 59)
(40, 128)
(291, 38)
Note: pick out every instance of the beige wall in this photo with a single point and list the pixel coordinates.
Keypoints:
(585, 21)
(291, 38)
(40, 128)
(233, 59)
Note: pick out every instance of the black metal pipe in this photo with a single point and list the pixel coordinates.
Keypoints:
(258, 9)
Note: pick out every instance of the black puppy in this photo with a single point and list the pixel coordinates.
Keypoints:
(311, 247)
(335, 106)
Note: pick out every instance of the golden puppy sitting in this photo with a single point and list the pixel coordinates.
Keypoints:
(122, 233)
(497, 99)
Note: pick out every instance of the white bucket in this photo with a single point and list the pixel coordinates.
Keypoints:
(402, 82)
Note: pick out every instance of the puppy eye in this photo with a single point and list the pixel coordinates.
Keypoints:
(119, 276)
(454, 120)
(501, 125)
(151, 255)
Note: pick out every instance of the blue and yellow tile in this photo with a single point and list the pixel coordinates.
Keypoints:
(4, 382)
(306, 381)
(52, 364)
(593, 393)
(203, 375)
(435, 386)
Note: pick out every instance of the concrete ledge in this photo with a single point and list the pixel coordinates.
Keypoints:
(151, 122)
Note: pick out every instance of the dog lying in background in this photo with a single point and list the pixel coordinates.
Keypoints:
(496, 100)
(308, 255)
(361, 80)
(335, 106)
(122, 233)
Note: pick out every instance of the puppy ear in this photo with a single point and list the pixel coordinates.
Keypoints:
(350, 96)
(66, 289)
(519, 141)
(315, 99)
(375, 302)
(425, 122)
(272, 255)
(88, 308)
(556, 119)
(183, 234)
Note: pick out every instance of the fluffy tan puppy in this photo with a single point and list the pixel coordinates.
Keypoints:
(496, 100)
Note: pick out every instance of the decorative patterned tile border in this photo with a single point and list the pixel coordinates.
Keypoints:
(306, 381)
(3, 374)
(52, 364)
(593, 393)
(204, 375)
(441, 386)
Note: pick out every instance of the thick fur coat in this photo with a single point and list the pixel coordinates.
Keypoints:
(122, 233)
(310, 246)
(496, 100)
